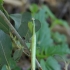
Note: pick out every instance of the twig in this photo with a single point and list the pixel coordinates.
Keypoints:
(39, 66)
(18, 36)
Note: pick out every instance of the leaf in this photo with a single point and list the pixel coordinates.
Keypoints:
(17, 19)
(17, 54)
(65, 24)
(58, 50)
(1, 2)
(5, 48)
(62, 22)
(23, 29)
(55, 20)
(43, 35)
(33, 8)
(43, 64)
(1, 7)
(48, 11)
(52, 64)
(4, 67)
(12, 63)
(59, 38)
(17, 68)
(37, 25)
(3, 25)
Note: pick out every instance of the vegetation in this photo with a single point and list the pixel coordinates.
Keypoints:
(41, 44)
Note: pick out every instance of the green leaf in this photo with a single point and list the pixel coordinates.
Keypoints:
(59, 38)
(3, 25)
(48, 11)
(23, 29)
(17, 54)
(4, 67)
(33, 8)
(37, 25)
(43, 35)
(5, 48)
(17, 19)
(58, 50)
(1, 7)
(12, 63)
(65, 23)
(54, 19)
(43, 64)
(61, 22)
(52, 64)
(17, 68)
(1, 2)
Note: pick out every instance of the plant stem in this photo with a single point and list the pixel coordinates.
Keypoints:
(66, 66)
(18, 37)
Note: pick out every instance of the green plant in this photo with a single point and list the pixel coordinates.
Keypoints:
(37, 33)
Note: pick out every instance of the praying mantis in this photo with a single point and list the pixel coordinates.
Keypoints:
(33, 46)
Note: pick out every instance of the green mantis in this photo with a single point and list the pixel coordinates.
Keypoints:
(32, 25)
(33, 46)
